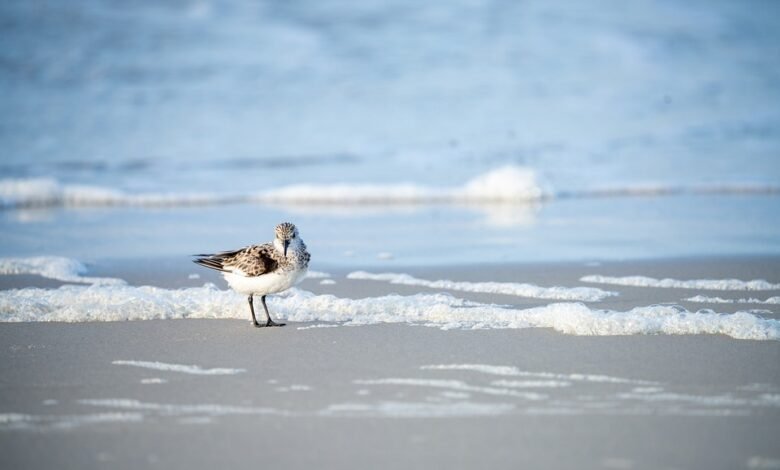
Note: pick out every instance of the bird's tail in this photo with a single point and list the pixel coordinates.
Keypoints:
(210, 261)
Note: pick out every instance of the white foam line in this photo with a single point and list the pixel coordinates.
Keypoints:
(53, 267)
(511, 371)
(115, 303)
(647, 390)
(20, 421)
(636, 411)
(185, 369)
(318, 325)
(705, 284)
(455, 395)
(153, 380)
(455, 385)
(764, 400)
(531, 383)
(719, 300)
(177, 409)
(390, 409)
(587, 294)
(508, 184)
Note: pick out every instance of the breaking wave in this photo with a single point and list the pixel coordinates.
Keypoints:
(507, 185)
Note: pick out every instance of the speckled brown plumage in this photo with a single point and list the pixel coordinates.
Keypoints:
(255, 260)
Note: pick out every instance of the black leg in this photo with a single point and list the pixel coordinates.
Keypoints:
(269, 322)
(252, 309)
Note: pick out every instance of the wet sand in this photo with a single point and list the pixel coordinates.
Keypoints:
(394, 395)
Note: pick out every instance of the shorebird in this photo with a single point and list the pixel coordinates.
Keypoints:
(263, 269)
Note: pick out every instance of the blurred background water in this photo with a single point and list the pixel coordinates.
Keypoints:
(211, 98)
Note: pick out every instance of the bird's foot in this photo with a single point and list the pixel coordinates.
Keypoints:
(268, 323)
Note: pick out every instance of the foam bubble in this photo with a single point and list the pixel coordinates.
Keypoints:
(588, 294)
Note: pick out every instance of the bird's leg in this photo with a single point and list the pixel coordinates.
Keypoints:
(252, 309)
(269, 322)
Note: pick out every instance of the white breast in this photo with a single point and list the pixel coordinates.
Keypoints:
(269, 283)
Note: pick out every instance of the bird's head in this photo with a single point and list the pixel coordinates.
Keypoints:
(286, 234)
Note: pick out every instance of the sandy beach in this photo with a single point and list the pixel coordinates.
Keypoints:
(361, 397)
(198, 393)
(537, 234)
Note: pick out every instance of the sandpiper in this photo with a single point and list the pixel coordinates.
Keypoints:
(263, 269)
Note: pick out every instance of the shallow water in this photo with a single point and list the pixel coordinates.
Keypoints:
(366, 235)
(215, 112)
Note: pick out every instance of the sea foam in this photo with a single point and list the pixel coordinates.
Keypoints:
(719, 300)
(704, 284)
(512, 371)
(587, 294)
(182, 368)
(121, 302)
(393, 409)
(452, 385)
(53, 267)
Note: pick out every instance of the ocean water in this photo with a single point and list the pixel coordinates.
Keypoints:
(398, 132)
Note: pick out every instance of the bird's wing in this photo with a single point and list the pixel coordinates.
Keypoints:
(250, 261)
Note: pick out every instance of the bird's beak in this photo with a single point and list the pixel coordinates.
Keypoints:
(285, 243)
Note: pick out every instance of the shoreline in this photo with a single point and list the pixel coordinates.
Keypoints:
(478, 280)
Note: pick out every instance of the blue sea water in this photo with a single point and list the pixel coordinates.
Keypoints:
(149, 128)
